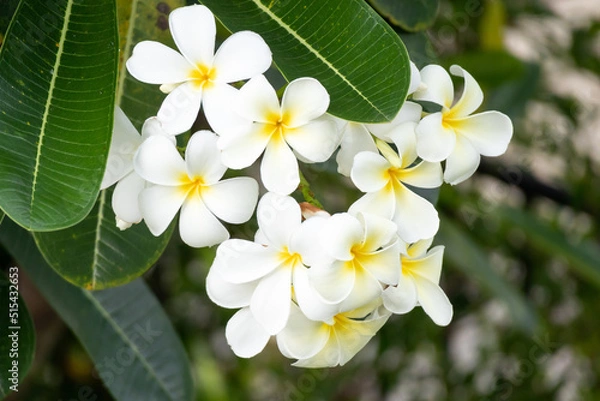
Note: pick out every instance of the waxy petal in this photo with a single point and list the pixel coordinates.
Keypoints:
(402, 298)
(489, 132)
(315, 141)
(152, 126)
(381, 203)
(304, 99)
(302, 338)
(429, 266)
(405, 139)
(198, 227)
(366, 289)
(355, 139)
(379, 232)
(232, 200)
(409, 112)
(415, 216)
(257, 101)
(424, 175)
(433, 301)
(180, 108)
(125, 201)
(436, 86)
(384, 264)
(415, 78)
(279, 218)
(158, 162)
(419, 248)
(123, 145)
(226, 294)
(242, 149)
(462, 163)
(242, 56)
(241, 261)
(193, 29)
(340, 234)
(279, 168)
(154, 63)
(332, 282)
(159, 205)
(370, 171)
(309, 300)
(435, 142)
(203, 158)
(472, 95)
(218, 110)
(245, 335)
(270, 303)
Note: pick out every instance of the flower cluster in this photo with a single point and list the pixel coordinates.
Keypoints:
(322, 284)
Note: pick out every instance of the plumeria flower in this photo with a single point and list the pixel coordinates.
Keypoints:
(319, 344)
(193, 186)
(198, 75)
(384, 179)
(419, 284)
(266, 268)
(455, 134)
(119, 167)
(363, 253)
(299, 124)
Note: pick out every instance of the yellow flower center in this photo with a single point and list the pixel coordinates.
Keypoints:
(191, 186)
(202, 76)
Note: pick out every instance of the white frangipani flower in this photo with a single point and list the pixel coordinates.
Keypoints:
(419, 284)
(198, 75)
(319, 344)
(455, 134)
(194, 186)
(300, 123)
(384, 179)
(363, 253)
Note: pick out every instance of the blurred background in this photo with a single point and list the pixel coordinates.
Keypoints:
(522, 259)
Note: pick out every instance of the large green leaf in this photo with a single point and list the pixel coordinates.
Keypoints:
(343, 43)
(464, 254)
(17, 334)
(583, 257)
(58, 69)
(136, 351)
(95, 254)
(410, 15)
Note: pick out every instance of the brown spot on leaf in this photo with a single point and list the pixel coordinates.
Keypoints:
(162, 23)
(163, 7)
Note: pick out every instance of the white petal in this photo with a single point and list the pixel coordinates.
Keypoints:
(180, 109)
(381, 203)
(232, 200)
(355, 139)
(219, 111)
(419, 248)
(152, 126)
(159, 205)
(315, 141)
(416, 217)
(125, 201)
(409, 112)
(379, 232)
(124, 142)
(370, 171)
(193, 29)
(302, 338)
(303, 242)
(304, 100)
(242, 149)
(332, 282)
(366, 289)
(472, 95)
(435, 142)
(329, 355)
(203, 158)
(437, 86)
(415, 78)
(154, 63)
(401, 299)
(489, 132)
(405, 139)
(309, 300)
(245, 335)
(257, 101)
(429, 266)
(226, 294)
(352, 339)
(270, 303)
(198, 227)
(424, 175)
(340, 233)
(158, 161)
(433, 301)
(279, 168)
(243, 55)
(384, 264)
(279, 218)
(462, 163)
(243, 261)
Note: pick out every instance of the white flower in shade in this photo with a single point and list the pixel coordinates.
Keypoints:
(265, 269)
(363, 253)
(300, 123)
(119, 167)
(317, 344)
(419, 284)
(455, 134)
(194, 186)
(198, 75)
(384, 179)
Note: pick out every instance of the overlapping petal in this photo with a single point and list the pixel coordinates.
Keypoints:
(243, 261)
(402, 298)
(244, 148)
(257, 101)
(279, 218)
(125, 201)
(198, 227)
(245, 335)
(304, 99)
(180, 108)
(462, 162)
(158, 161)
(302, 338)
(243, 55)
(370, 171)
(489, 132)
(225, 293)
(415, 216)
(159, 205)
(203, 158)
(472, 95)
(435, 141)
(193, 29)
(154, 63)
(433, 301)
(355, 139)
(270, 303)
(437, 86)
(316, 140)
(279, 168)
(232, 200)
(340, 233)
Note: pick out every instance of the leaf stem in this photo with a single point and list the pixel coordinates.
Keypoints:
(307, 193)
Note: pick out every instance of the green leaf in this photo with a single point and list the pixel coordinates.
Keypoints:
(342, 43)
(129, 337)
(17, 334)
(58, 68)
(583, 257)
(490, 68)
(467, 256)
(96, 254)
(410, 15)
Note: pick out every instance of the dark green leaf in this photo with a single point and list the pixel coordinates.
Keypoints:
(58, 69)
(342, 43)
(95, 254)
(410, 15)
(17, 334)
(466, 255)
(136, 351)
(490, 68)
(583, 257)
